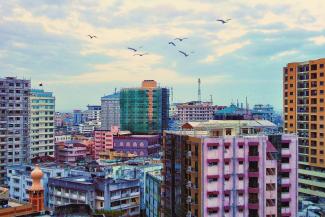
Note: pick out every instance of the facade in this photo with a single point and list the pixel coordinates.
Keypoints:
(140, 145)
(144, 110)
(153, 194)
(303, 90)
(70, 152)
(88, 127)
(92, 113)
(42, 108)
(139, 172)
(103, 142)
(110, 111)
(14, 122)
(62, 137)
(233, 112)
(19, 180)
(229, 168)
(194, 111)
(99, 193)
(267, 112)
(78, 117)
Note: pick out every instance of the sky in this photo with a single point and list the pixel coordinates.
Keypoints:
(46, 41)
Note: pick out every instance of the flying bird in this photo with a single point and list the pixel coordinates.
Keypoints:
(223, 21)
(40, 84)
(172, 43)
(92, 36)
(133, 49)
(140, 54)
(182, 52)
(180, 39)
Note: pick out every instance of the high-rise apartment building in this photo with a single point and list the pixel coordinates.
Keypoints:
(194, 111)
(110, 111)
(229, 168)
(42, 109)
(153, 193)
(303, 90)
(14, 122)
(144, 110)
(92, 113)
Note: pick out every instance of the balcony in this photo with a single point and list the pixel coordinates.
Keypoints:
(227, 169)
(240, 185)
(213, 170)
(252, 205)
(228, 185)
(285, 181)
(116, 197)
(228, 153)
(285, 152)
(240, 169)
(241, 153)
(189, 199)
(285, 211)
(285, 195)
(285, 167)
(241, 201)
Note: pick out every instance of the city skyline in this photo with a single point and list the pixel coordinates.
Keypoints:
(48, 42)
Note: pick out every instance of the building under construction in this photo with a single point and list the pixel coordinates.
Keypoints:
(145, 109)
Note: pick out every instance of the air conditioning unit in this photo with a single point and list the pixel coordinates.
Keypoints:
(189, 214)
(189, 184)
(189, 169)
(189, 154)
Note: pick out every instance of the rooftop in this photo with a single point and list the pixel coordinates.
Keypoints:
(112, 96)
(220, 124)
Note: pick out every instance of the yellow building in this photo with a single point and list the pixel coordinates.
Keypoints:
(303, 91)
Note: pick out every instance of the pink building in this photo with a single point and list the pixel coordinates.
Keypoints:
(70, 152)
(230, 169)
(103, 141)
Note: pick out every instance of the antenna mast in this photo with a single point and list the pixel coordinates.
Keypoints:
(199, 90)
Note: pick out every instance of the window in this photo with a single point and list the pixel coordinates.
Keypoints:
(314, 67)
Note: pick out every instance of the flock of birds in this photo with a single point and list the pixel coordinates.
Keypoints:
(172, 43)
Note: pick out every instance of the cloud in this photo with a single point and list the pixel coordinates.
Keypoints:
(223, 50)
(137, 69)
(47, 40)
(286, 53)
(318, 40)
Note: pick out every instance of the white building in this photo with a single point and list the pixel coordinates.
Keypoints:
(92, 113)
(42, 110)
(62, 138)
(193, 111)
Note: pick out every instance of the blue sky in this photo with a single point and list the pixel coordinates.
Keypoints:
(46, 41)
